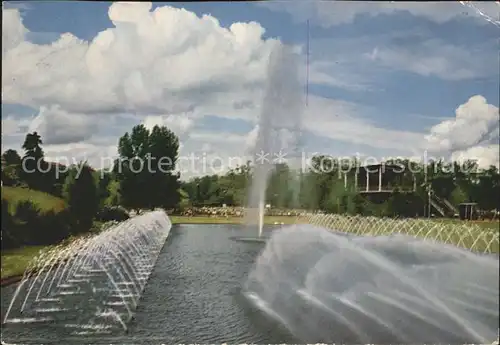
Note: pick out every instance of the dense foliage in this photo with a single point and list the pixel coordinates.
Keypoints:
(145, 168)
(323, 187)
(43, 202)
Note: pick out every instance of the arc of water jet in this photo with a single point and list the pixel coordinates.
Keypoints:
(69, 251)
(26, 275)
(391, 268)
(385, 325)
(115, 316)
(14, 297)
(402, 307)
(345, 321)
(120, 273)
(82, 261)
(112, 280)
(82, 255)
(47, 262)
(135, 255)
(141, 253)
(146, 240)
(55, 262)
(132, 276)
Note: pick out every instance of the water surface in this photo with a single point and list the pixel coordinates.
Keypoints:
(193, 296)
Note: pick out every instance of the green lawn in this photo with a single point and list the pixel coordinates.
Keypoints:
(485, 224)
(15, 261)
(44, 201)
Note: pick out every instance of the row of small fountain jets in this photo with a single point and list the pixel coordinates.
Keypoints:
(93, 280)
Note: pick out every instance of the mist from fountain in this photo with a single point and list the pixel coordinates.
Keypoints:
(279, 128)
(328, 287)
(92, 280)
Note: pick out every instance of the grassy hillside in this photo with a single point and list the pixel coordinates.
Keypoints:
(15, 261)
(45, 202)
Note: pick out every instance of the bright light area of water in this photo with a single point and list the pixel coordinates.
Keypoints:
(329, 287)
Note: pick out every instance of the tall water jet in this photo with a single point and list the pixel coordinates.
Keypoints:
(261, 217)
(279, 128)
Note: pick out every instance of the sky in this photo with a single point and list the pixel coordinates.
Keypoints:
(381, 79)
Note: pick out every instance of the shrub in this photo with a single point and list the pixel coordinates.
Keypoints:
(110, 213)
(10, 175)
(8, 238)
(45, 202)
(27, 211)
(6, 217)
(53, 227)
(80, 192)
(30, 226)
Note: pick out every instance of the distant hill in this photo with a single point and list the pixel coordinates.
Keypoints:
(44, 201)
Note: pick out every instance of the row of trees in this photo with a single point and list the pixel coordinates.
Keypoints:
(323, 187)
(88, 195)
(27, 222)
(143, 176)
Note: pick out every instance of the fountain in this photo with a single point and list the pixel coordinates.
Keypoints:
(93, 284)
(279, 127)
(334, 287)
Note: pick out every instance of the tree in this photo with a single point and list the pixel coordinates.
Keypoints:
(33, 162)
(11, 157)
(11, 168)
(80, 193)
(184, 199)
(458, 196)
(487, 188)
(103, 180)
(323, 187)
(163, 182)
(146, 166)
(114, 194)
(279, 189)
(132, 150)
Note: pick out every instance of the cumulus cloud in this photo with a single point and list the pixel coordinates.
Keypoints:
(57, 126)
(331, 13)
(167, 67)
(99, 155)
(472, 134)
(10, 126)
(171, 67)
(209, 152)
(179, 124)
(221, 137)
(485, 156)
(162, 61)
(13, 32)
(149, 66)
